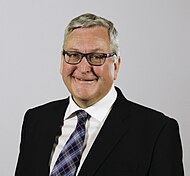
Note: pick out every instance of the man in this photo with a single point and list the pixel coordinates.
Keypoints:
(117, 137)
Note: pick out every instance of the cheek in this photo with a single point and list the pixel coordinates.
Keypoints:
(112, 71)
(66, 69)
(105, 73)
(109, 71)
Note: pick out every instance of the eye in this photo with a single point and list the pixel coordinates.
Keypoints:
(73, 54)
(98, 56)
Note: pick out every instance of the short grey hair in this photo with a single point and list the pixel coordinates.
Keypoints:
(89, 20)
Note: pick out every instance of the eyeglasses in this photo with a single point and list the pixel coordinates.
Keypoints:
(94, 59)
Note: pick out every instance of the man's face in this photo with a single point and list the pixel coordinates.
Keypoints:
(86, 83)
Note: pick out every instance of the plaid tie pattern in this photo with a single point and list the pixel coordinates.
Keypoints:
(69, 158)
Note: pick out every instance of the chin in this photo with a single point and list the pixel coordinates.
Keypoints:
(84, 96)
(84, 90)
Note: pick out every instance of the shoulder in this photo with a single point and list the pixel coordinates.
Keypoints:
(52, 105)
(46, 112)
(150, 117)
(146, 122)
(140, 113)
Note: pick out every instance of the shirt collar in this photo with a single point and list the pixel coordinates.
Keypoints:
(99, 110)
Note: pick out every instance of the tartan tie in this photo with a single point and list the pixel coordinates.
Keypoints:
(69, 158)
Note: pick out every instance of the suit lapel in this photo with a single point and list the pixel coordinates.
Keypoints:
(112, 131)
(52, 119)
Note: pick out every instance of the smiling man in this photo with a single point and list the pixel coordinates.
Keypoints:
(86, 82)
(96, 131)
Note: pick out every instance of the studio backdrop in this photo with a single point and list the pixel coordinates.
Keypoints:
(155, 60)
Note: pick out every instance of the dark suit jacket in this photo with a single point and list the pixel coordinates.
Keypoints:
(134, 141)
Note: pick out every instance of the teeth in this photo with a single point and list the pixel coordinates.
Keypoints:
(83, 79)
(80, 79)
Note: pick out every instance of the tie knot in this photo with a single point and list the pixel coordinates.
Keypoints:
(82, 115)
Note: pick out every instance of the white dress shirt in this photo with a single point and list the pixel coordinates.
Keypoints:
(98, 113)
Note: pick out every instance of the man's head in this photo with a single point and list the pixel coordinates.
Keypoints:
(89, 20)
(90, 59)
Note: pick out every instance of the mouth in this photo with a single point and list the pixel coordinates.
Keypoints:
(85, 80)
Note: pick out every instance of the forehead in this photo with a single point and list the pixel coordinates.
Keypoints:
(88, 39)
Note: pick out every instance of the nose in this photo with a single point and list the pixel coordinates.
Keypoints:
(84, 66)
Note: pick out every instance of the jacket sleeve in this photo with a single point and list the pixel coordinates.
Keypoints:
(23, 154)
(167, 155)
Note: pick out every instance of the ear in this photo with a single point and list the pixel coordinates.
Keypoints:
(116, 67)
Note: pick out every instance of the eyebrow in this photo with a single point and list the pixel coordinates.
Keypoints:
(92, 51)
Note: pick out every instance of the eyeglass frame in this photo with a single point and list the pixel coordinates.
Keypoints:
(87, 56)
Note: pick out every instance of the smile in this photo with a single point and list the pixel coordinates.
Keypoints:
(81, 80)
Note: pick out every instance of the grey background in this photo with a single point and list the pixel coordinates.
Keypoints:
(155, 53)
